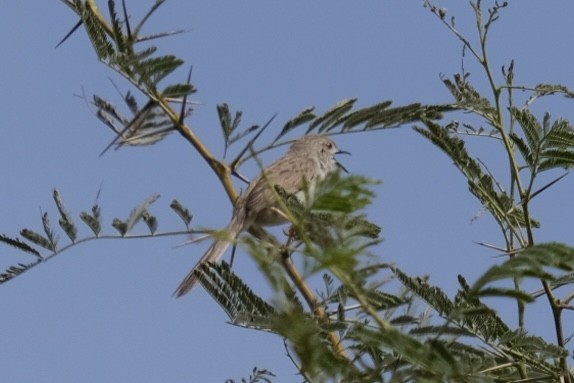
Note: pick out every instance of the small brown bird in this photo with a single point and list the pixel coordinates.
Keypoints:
(308, 161)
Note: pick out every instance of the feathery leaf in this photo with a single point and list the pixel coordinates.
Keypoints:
(117, 28)
(151, 222)
(242, 306)
(530, 262)
(18, 244)
(328, 120)
(66, 222)
(182, 212)
(36, 238)
(103, 47)
(138, 213)
(303, 117)
(149, 125)
(93, 220)
(178, 90)
(49, 231)
(14, 271)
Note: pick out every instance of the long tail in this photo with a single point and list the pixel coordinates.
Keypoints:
(213, 254)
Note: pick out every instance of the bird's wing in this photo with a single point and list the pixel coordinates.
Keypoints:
(290, 175)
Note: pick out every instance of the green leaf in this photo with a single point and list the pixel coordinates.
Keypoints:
(66, 222)
(532, 129)
(15, 270)
(396, 116)
(564, 280)
(302, 118)
(343, 194)
(227, 122)
(549, 89)
(433, 295)
(363, 115)
(103, 47)
(378, 116)
(18, 244)
(138, 213)
(120, 226)
(182, 212)
(117, 28)
(151, 222)
(148, 126)
(507, 293)
(432, 357)
(468, 97)
(140, 56)
(257, 376)
(244, 133)
(330, 118)
(533, 262)
(452, 146)
(503, 208)
(381, 300)
(93, 220)
(363, 227)
(549, 146)
(144, 19)
(36, 238)
(241, 305)
(475, 315)
(561, 135)
(440, 331)
(519, 339)
(556, 158)
(307, 340)
(178, 90)
(403, 320)
(331, 219)
(524, 150)
(155, 69)
(49, 231)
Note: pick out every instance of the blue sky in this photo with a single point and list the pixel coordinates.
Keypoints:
(103, 311)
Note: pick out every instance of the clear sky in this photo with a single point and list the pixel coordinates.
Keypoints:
(103, 311)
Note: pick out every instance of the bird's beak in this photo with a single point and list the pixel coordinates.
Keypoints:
(339, 164)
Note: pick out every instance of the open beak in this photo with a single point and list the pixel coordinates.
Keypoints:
(339, 164)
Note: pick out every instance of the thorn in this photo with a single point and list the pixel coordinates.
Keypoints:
(78, 24)
(232, 255)
(547, 186)
(184, 103)
(192, 241)
(126, 18)
(250, 143)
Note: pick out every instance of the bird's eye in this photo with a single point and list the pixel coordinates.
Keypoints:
(330, 145)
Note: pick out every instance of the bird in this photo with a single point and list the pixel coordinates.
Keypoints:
(308, 160)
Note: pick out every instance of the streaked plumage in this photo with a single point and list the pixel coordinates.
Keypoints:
(308, 160)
